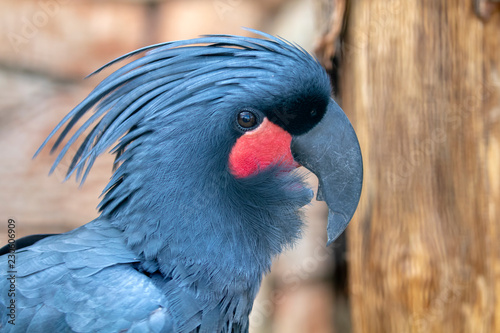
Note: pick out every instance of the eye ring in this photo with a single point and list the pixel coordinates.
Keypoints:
(247, 120)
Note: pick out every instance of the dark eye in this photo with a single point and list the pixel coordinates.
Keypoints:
(247, 120)
(313, 113)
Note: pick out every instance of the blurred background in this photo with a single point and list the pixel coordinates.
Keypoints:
(420, 80)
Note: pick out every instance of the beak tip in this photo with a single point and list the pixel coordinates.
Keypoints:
(337, 223)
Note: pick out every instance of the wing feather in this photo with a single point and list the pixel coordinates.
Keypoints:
(83, 281)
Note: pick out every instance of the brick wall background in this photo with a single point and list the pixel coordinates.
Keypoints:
(47, 47)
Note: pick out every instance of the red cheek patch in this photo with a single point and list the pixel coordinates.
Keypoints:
(257, 149)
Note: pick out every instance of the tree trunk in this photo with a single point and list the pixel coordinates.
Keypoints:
(421, 82)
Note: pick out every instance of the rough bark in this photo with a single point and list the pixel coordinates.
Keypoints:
(421, 83)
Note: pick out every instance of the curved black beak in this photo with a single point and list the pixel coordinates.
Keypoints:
(331, 151)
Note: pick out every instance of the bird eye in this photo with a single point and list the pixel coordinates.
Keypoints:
(247, 120)
(313, 113)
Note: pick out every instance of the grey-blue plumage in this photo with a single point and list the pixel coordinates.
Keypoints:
(181, 244)
(72, 282)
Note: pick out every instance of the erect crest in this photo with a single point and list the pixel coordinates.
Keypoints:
(169, 77)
